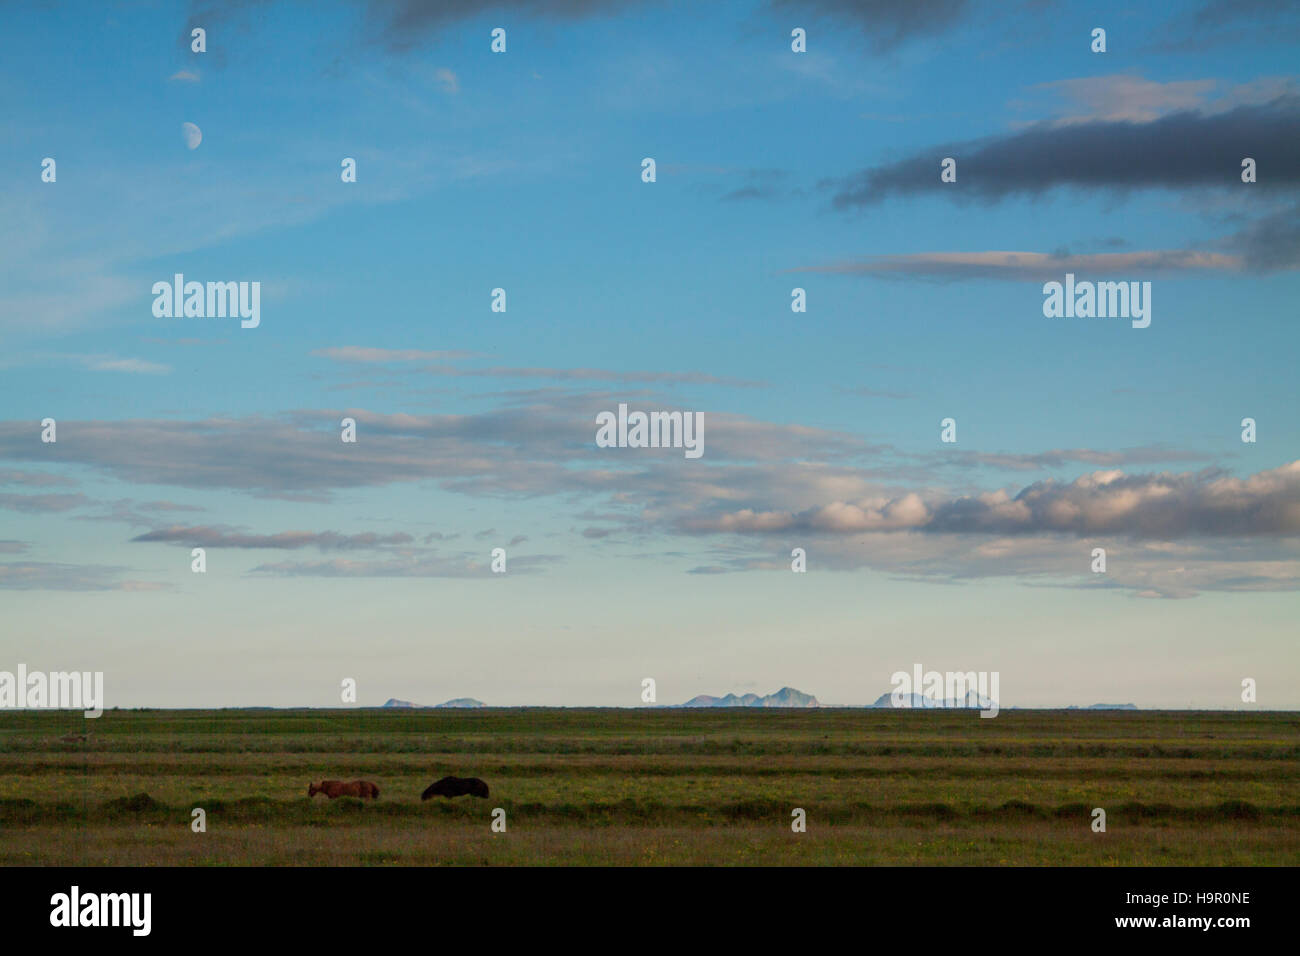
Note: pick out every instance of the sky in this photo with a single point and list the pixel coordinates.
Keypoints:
(476, 429)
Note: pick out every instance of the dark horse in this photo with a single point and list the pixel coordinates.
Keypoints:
(456, 787)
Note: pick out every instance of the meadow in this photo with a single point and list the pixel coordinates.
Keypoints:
(653, 786)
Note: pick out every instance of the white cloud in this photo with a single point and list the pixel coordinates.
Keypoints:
(108, 363)
(448, 80)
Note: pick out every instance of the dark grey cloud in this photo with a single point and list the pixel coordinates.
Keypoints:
(1177, 151)
(403, 24)
(1223, 11)
(888, 23)
(224, 21)
(1219, 23)
(1270, 243)
(760, 184)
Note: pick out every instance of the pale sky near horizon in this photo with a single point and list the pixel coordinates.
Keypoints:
(476, 429)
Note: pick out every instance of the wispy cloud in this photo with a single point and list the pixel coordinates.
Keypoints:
(419, 566)
(595, 375)
(108, 363)
(357, 353)
(361, 354)
(448, 80)
(46, 576)
(1269, 243)
(44, 504)
(1033, 265)
(205, 536)
(40, 478)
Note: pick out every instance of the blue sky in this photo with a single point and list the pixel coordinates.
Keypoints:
(775, 169)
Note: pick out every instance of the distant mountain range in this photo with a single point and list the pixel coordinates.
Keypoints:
(785, 697)
(1104, 707)
(789, 697)
(976, 702)
(454, 702)
(971, 700)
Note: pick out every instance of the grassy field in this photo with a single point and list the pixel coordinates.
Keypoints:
(592, 786)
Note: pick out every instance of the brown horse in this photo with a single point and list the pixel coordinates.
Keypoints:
(337, 788)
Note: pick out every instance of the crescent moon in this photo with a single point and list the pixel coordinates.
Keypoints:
(192, 135)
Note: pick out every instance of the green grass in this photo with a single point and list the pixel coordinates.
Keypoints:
(654, 787)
